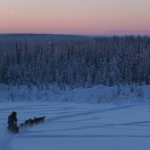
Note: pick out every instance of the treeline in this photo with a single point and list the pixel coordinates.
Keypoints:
(77, 63)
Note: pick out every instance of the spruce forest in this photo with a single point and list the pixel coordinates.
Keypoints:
(76, 61)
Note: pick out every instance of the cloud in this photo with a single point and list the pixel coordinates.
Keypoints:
(128, 32)
(11, 12)
(96, 31)
(134, 31)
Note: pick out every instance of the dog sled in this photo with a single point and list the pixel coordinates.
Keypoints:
(13, 128)
(30, 122)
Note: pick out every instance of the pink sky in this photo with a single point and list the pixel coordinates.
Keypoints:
(104, 17)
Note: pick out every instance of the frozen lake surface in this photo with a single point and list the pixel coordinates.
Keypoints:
(70, 126)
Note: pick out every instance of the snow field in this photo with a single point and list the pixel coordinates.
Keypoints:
(70, 126)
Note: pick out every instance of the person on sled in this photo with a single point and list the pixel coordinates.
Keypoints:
(11, 125)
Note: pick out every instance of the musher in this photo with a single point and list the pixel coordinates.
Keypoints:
(11, 125)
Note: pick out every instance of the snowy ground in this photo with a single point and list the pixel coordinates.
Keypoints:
(78, 126)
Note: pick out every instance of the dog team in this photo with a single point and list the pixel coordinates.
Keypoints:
(30, 122)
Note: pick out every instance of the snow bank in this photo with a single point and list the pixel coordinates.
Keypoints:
(97, 94)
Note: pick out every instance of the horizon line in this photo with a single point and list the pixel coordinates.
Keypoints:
(77, 34)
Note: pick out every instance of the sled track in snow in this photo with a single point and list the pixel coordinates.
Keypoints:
(5, 140)
(90, 112)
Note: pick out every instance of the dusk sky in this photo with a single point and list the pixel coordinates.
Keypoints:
(100, 17)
